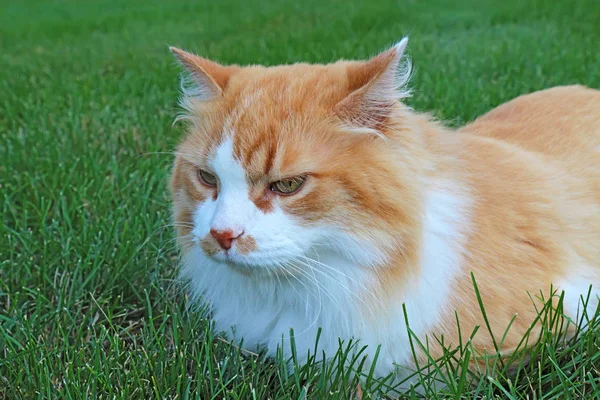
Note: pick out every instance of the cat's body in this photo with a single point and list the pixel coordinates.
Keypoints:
(391, 208)
(534, 167)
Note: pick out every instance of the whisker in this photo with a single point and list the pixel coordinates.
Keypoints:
(345, 287)
(325, 290)
(320, 303)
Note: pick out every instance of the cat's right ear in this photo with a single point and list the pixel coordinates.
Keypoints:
(374, 87)
(205, 80)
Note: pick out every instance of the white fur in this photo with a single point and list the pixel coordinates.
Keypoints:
(233, 209)
(309, 277)
(580, 301)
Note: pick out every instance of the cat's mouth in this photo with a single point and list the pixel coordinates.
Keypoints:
(224, 257)
(241, 264)
(231, 259)
(245, 269)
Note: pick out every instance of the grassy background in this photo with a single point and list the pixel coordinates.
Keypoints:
(88, 90)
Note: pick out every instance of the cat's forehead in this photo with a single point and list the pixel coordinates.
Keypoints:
(273, 146)
(278, 119)
(297, 87)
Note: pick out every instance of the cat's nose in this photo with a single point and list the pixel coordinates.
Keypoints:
(225, 238)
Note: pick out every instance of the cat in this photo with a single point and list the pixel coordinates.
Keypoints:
(310, 197)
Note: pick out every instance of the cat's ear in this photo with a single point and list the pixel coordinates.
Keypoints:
(374, 87)
(205, 79)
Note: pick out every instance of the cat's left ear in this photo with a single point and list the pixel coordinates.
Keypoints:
(374, 87)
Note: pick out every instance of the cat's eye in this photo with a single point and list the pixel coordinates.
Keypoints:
(207, 178)
(288, 186)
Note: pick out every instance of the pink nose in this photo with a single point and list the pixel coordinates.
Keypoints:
(225, 238)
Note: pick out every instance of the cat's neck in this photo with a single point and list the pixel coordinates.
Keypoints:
(421, 275)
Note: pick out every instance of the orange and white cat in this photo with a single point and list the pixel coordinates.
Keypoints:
(309, 196)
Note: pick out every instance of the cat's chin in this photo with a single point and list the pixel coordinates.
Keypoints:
(243, 266)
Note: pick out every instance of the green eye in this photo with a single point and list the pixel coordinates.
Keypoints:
(207, 178)
(288, 185)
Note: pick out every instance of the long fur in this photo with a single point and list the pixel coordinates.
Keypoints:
(395, 210)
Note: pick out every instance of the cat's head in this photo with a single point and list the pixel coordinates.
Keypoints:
(282, 163)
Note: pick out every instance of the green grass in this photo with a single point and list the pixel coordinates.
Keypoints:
(88, 303)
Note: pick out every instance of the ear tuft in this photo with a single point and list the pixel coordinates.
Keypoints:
(375, 87)
(401, 46)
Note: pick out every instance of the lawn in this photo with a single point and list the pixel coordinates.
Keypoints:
(89, 302)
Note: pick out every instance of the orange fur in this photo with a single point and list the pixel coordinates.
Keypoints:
(534, 165)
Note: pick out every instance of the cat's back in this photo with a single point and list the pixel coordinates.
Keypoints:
(561, 124)
(553, 134)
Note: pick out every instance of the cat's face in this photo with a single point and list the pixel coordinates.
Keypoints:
(282, 164)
